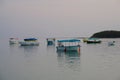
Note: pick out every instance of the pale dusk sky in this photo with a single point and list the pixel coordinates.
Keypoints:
(58, 18)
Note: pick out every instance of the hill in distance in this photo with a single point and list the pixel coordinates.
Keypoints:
(107, 34)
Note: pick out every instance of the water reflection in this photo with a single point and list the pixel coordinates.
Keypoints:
(13, 48)
(50, 48)
(69, 59)
(29, 50)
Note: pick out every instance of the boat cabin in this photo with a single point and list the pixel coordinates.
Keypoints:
(68, 45)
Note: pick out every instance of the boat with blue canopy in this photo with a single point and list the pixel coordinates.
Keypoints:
(68, 45)
(29, 42)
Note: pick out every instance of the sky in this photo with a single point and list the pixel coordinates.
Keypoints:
(58, 18)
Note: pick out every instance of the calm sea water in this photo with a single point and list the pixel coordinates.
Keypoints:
(94, 62)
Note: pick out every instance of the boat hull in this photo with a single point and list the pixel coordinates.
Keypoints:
(93, 42)
(50, 42)
(68, 48)
(29, 43)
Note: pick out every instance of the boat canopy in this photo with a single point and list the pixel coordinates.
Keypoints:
(71, 40)
(30, 39)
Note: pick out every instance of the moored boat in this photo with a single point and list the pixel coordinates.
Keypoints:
(85, 39)
(50, 41)
(13, 41)
(29, 42)
(68, 45)
(111, 43)
(93, 40)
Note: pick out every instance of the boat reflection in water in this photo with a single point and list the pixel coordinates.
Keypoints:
(29, 50)
(69, 59)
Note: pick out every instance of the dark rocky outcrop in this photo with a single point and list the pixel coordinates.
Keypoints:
(107, 34)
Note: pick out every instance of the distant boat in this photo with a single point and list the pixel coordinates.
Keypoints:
(68, 45)
(93, 40)
(29, 42)
(111, 43)
(85, 39)
(13, 40)
(50, 41)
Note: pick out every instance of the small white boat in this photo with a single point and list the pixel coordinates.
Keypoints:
(68, 45)
(29, 42)
(50, 41)
(13, 41)
(111, 43)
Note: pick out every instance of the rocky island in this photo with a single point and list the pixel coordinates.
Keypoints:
(107, 34)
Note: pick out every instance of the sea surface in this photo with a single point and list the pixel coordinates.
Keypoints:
(94, 62)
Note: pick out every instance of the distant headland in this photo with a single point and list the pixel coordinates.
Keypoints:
(107, 34)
